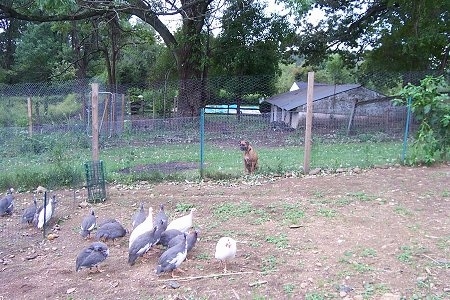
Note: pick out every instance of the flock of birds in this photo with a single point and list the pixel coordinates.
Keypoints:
(34, 214)
(177, 236)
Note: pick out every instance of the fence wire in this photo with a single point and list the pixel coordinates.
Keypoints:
(45, 129)
(46, 133)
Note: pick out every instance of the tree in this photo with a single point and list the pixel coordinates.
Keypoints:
(250, 45)
(391, 35)
(187, 46)
(10, 31)
(39, 51)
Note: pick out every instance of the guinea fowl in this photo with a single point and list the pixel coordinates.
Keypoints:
(225, 250)
(139, 216)
(7, 203)
(183, 223)
(142, 228)
(29, 212)
(88, 224)
(191, 240)
(161, 216)
(172, 258)
(49, 211)
(92, 256)
(168, 235)
(144, 242)
(110, 230)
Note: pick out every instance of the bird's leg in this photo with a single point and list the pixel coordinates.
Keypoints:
(225, 269)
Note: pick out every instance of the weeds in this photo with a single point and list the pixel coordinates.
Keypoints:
(269, 264)
(226, 210)
(280, 241)
(406, 255)
(292, 213)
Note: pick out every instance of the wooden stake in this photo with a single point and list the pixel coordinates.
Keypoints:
(308, 129)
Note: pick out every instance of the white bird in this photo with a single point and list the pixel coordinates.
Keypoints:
(225, 250)
(49, 210)
(142, 228)
(183, 223)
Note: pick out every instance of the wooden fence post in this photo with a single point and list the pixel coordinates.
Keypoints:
(309, 117)
(94, 100)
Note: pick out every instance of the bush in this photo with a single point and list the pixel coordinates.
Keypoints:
(430, 104)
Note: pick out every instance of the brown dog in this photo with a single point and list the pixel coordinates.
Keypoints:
(250, 156)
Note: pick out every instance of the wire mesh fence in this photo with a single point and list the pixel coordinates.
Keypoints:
(46, 132)
(46, 129)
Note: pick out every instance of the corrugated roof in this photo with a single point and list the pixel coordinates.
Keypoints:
(291, 100)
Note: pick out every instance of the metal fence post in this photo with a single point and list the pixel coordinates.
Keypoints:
(202, 140)
(408, 120)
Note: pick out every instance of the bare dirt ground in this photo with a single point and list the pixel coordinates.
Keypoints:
(379, 234)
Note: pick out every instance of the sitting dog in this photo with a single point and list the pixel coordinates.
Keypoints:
(250, 156)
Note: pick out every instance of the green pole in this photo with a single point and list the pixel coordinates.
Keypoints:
(202, 141)
(408, 120)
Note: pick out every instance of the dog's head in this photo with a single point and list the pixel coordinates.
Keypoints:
(244, 145)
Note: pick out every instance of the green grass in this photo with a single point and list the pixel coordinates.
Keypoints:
(228, 210)
(28, 162)
(406, 254)
(280, 241)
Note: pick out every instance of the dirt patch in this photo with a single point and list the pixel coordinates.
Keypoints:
(165, 168)
(349, 236)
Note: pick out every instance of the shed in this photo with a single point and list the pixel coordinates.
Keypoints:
(340, 101)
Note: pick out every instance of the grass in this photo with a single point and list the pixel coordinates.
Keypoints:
(29, 161)
(406, 254)
(280, 241)
(292, 213)
(228, 210)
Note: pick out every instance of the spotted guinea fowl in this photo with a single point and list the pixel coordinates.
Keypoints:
(144, 242)
(110, 229)
(48, 211)
(172, 258)
(7, 203)
(142, 228)
(88, 224)
(168, 235)
(92, 256)
(139, 216)
(29, 212)
(225, 250)
(183, 223)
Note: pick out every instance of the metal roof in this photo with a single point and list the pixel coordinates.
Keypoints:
(294, 99)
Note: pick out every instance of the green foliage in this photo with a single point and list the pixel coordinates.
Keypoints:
(63, 110)
(13, 112)
(395, 36)
(431, 107)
